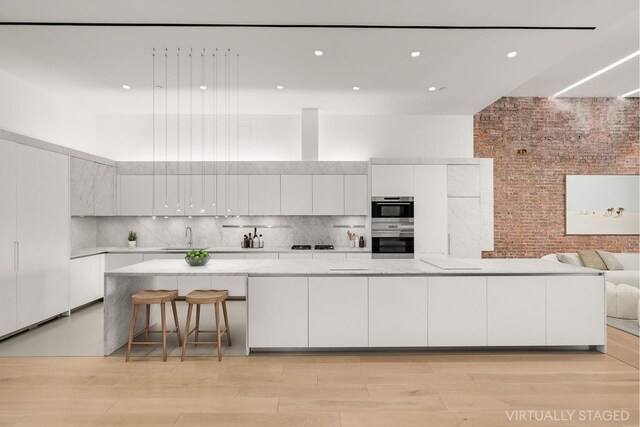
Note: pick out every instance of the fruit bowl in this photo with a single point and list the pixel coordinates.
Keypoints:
(197, 258)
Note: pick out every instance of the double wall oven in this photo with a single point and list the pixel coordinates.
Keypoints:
(392, 227)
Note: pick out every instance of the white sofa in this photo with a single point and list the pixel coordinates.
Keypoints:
(630, 275)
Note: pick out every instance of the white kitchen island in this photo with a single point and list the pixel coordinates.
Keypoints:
(372, 304)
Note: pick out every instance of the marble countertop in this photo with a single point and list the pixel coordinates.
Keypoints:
(159, 250)
(391, 267)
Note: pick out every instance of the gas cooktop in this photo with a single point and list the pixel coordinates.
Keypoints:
(323, 247)
(301, 247)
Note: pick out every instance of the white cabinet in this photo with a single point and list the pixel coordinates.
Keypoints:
(82, 182)
(356, 195)
(329, 255)
(165, 282)
(338, 312)
(169, 195)
(261, 255)
(135, 195)
(457, 311)
(575, 310)
(430, 210)
(392, 180)
(358, 255)
(296, 195)
(84, 280)
(516, 310)
(104, 190)
(236, 285)
(115, 261)
(187, 284)
(328, 194)
(43, 234)
(397, 311)
(264, 195)
(463, 180)
(8, 237)
(200, 194)
(232, 195)
(464, 226)
(296, 255)
(279, 316)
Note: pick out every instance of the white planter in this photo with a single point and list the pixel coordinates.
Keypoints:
(132, 244)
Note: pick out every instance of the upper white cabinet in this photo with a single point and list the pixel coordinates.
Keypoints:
(232, 195)
(200, 195)
(8, 237)
(392, 180)
(104, 191)
(169, 194)
(92, 188)
(135, 195)
(328, 194)
(264, 194)
(430, 210)
(296, 195)
(356, 199)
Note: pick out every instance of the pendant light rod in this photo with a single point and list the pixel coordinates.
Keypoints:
(166, 127)
(215, 128)
(202, 125)
(178, 128)
(190, 129)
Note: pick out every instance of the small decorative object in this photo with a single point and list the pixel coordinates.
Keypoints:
(133, 237)
(197, 258)
(620, 210)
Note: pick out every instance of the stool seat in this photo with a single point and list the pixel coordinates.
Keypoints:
(206, 297)
(153, 297)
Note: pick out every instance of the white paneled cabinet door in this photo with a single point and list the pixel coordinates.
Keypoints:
(457, 311)
(135, 195)
(356, 195)
(516, 310)
(232, 195)
(328, 194)
(169, 195)
(392, 180)
(338, 312)
(82, 182)
(278, 312)
(200, 194)
(397, 311)
(430, 210)
(296, 195)
(43, 234)
(8, 237)
(84, 280)
(264, 194)
(575, 310)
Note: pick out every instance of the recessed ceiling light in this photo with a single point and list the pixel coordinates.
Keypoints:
(512, 54)
(597, 73)
(415, 54)
(356, 88)
(279, 87)
(432, 88)
(126, 87)
(630, 93)
(203, 87)
(318, 53)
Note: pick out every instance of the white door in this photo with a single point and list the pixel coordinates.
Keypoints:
(575, 310)
(392, 180)
(135, 195)
(232, 195)
(516, 311)
(457, 311)
(397, 311)
(296, 195)
(84, 280)
(328, 194)
(430, 210)
(43, 234)
(264, 194)
(356, 195)
(8, 237)
(278, 312)
(169, 195)
(338, 312)
(200, 194)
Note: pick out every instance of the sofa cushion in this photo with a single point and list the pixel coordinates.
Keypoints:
(610, 260)
(591, 259)
(569, 258)
(631, 278)
(630, 261)
(627, 302)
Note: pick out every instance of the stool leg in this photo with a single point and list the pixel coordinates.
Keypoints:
(164, 332)
(226, 322)
(175, 319)
(132, 331)
(197, 323)
(146, 329)
(186, 334)
(218, 331)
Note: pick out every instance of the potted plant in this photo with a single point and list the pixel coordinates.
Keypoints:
(133, 237)
(620, 210)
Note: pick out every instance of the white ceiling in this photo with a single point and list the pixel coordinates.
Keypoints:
(92, 63)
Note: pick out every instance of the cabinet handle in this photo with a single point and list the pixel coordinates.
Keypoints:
(16, 256)
(448, 244)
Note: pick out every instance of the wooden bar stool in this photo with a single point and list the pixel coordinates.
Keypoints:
(216, 298)
(147, 298)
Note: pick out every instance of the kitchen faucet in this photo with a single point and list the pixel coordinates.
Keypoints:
(190, 234)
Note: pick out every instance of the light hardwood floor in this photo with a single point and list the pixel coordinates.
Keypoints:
(436, 389)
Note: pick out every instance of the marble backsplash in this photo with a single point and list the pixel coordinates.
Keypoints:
(209, 231)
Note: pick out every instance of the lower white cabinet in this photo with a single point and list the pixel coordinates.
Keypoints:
(165, 282)
(457, 311)
(186, 284)
(516, 310)
(261, 255)
(236, 285)
(575, 310)
(279, 316)
(397, 311)
(338, 309)
(115, 261)
(84, 281)
(329, 255)
(296, 255)
(358, 255)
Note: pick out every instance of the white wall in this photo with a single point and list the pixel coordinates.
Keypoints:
(30, 110)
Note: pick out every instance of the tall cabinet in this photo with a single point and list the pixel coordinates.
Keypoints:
(34, 235)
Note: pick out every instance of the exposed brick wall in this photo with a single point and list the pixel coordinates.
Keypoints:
(569, 136)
